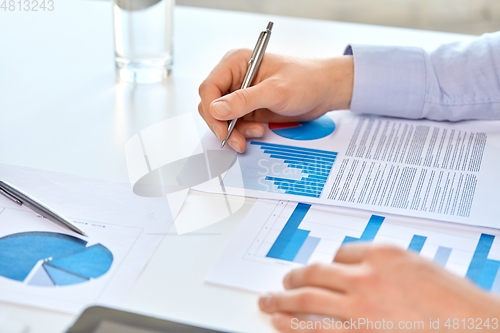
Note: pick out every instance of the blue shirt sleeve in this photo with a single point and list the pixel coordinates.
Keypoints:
(456, 81)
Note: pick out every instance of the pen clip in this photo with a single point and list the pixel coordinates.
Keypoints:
(10, 196)
(255, 50)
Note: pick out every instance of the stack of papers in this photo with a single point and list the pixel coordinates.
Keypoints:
(46, 265)
(424, 186)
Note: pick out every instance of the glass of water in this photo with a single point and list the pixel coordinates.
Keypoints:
(143, 39)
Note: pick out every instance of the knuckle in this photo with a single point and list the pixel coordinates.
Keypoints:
(280, 90)
(384, 251)
(236, 53)
(202, 87)
(201, 111)
(306, 299)
(230, 53)
(364, 277)
(311, 272)
(341, 252)
(275, 302)
(280, 96)
(243, 97)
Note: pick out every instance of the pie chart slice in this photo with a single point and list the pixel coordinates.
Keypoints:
(55, 259)
(62, 278)
(92, 262)
(303, 131)
(41, 278)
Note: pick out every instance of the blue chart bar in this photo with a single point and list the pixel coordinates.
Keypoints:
(314, 164)
(286, 234)
(306, 250)
(370, 231)
(294, 244)
(292, 248)
(495, 288)
(484, 271)
(417, 243)
(442, 255)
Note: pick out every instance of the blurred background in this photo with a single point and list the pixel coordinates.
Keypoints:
(460, 16)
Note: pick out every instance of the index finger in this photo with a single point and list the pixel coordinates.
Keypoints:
(224, 78)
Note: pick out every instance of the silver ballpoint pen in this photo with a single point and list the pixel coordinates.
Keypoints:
(22, 198)
(253, 67)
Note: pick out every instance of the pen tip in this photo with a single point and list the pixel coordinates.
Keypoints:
(270, 26)
(223, 143)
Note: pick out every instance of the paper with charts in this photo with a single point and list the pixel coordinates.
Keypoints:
(46, 265)
(278, 236)
(438, 170)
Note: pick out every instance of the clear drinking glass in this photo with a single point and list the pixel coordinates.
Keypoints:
(143, 39)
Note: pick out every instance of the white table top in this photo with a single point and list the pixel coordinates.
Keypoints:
(63, 110)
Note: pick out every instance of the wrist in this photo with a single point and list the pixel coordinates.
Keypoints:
(341, 82)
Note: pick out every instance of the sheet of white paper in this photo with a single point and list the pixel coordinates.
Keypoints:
(438, 170)
(260, 253)
(11, 325)
(46, 265)
(204, 209)
(91, 199)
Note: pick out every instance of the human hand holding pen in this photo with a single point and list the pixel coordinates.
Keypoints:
(285, 89)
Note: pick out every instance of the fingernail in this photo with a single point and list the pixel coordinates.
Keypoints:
(253, 133)
(216, 132)
(287, 283)
(265, 301)
(235, 145)
(222, 108)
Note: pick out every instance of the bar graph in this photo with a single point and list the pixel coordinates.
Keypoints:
(484, 271)
(282, 169)
(299, 233)
(294, 244)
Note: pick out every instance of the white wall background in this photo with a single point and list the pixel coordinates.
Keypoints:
(462, 16)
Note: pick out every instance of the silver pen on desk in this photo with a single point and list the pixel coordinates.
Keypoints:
(23, 198)
(253, 67)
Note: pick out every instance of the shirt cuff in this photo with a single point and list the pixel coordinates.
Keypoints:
(388, 80)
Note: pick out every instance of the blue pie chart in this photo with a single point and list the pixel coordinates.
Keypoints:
(49, 259)
(311, 130)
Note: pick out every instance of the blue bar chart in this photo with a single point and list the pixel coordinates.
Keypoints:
(295, 243)
(282, 169)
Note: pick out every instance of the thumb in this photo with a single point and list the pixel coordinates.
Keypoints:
(241, 102)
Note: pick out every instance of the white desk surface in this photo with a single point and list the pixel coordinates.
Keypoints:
(62, 109)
